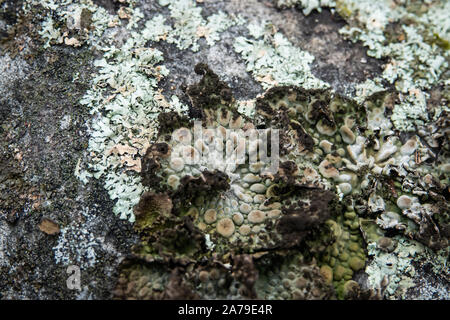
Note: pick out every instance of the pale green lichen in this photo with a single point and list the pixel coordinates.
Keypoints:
(218, 23)
(66, 15)
(126, 102)
(395, 269)
(188, 20)
(47, 4)
(125, 99)
(307, 5)
(247, 108)
(273, 60)
(416, 50)
(136, 16)
(437, 22)
(413, 62)
(410, 112)
(367, 88)
(189, 25)
(49, 32)
(156, 29)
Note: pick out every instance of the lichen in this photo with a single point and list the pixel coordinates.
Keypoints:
(329, 144)
(345, 256)
(292, 278)
(273, 60)
(189, 26)
(307, 5)
(72, 22)
(412, 38)
(411, 112)
(345, 174)
(395, 267)
(124, 97)
(77, 244)
(125, 93)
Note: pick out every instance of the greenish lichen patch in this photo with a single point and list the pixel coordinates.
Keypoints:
(413, 38)
(273, 60)
(307, 6)
(71, 23)
(189, 25)
(394, 267)
(410, 112)
(126, 100)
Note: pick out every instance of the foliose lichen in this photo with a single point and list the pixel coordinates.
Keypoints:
(273, 60)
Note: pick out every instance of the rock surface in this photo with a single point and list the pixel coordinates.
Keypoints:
(45, 133)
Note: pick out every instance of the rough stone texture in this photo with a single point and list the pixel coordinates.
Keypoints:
(43, 134)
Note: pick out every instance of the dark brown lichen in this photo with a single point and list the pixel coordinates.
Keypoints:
(209, 183)
(210, 92)
(151, 163)
(178, 288)
(244, 271)
(170, 121)
(301, 218)
(165, 235)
